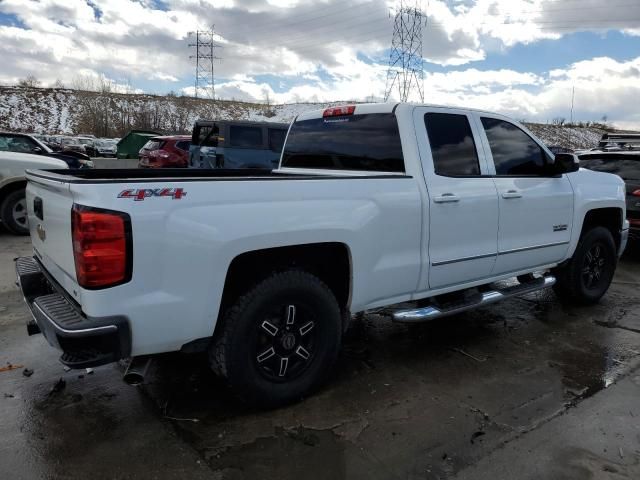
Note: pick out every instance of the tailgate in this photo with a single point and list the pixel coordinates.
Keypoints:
(49, 204)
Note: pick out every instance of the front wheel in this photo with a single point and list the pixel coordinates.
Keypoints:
(587, 276)
(13, 213)
(279, 340)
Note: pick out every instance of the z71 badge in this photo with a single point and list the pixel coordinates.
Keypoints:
(141, 193)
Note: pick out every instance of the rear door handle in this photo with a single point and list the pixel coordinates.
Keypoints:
(446, 198)
(511, 194)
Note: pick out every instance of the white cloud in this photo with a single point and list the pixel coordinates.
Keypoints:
(603, 86)
(164, 76)
(323, 50)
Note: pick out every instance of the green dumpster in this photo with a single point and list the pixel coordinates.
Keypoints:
(132, 142)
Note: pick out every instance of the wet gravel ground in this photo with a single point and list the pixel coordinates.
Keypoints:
(527, 388)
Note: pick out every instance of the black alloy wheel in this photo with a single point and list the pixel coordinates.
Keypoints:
(586, 277)
(594, 266)
(279, 340)
(285, 344)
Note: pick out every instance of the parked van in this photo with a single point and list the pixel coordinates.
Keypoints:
(236, 144)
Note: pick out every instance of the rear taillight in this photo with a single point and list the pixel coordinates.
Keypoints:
(636, 193)
(339, 111)
(101, 247)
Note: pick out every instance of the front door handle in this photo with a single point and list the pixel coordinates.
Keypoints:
(446, 198)
(511, 194)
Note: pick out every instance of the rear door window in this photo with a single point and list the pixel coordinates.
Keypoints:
(368, 142)
(245, 137)
(514, 152)
(452, 146)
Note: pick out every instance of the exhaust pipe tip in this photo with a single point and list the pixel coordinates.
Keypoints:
(137, 370)
(133, 378)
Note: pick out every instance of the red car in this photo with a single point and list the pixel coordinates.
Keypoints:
(165, 152)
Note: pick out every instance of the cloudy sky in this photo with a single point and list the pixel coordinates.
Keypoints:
(519, 57)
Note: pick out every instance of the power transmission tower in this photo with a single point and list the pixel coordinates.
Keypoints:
(205, 46)
(406, 73)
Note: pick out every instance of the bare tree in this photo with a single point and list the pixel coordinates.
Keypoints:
(30, 81)
(84, 83)
(266, 97)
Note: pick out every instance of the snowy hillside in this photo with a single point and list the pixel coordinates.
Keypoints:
(64, 111)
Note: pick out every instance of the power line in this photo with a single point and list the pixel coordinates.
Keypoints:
(294, 19)
(268, 27)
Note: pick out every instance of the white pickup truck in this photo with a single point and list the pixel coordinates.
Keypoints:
(419, 209)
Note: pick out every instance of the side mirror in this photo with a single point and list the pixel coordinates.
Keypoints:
(565, 163)
(36, 150)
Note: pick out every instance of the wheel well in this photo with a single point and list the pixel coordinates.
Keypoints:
(610, 218)
(11, 187)
(331, 262)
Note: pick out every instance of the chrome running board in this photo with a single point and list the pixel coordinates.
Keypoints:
(431, 312)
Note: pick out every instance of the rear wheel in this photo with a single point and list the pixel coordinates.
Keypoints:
(587, 276)
(13, 212)
(279, 340)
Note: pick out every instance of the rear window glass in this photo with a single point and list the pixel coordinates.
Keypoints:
(245, 137)
(452, 146)
(359, 142)
(625, 165)
(153, 145)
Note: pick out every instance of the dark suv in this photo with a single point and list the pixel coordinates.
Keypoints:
(625, 164)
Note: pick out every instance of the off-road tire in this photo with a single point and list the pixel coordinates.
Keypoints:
(7, 209)
(235, 351)
(572, 279)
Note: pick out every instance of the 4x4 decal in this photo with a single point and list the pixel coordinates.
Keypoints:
(140, 194)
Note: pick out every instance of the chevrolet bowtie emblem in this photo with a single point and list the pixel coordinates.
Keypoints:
(41, 233)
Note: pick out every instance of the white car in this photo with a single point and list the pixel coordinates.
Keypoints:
(13, 206)
(106, 148)
(372, 206)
